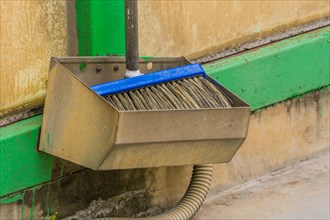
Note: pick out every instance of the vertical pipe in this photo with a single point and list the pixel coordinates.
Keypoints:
(132, 41)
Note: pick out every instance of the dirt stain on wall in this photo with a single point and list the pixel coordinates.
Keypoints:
(31, 32)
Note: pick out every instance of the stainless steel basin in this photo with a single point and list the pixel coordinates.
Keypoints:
(82, 127)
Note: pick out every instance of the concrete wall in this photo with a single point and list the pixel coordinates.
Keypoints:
(196, 28)
(279, 135)
(38, 30)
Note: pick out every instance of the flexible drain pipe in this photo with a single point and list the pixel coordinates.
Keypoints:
(190, 202)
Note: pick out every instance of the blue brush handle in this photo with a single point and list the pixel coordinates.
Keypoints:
(150, 79)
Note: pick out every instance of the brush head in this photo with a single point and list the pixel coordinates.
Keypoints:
(188, 93)
(150, 79)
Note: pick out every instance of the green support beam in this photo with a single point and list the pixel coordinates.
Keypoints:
(277, 72)
(100, 27)
(21, 165)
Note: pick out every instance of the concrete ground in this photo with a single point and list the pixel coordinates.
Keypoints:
(297, 192)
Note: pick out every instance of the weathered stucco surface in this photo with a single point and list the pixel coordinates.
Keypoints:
(196, 28)
(31, 32)
(279, 135)
(38, 30)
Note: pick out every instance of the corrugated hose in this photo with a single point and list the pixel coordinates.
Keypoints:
(190, 202)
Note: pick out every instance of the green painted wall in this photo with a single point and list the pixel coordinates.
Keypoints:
(277, 72)
(21, 166)
(262, 77)
(101, 27)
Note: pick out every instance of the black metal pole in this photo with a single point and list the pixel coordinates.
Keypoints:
(132, 41)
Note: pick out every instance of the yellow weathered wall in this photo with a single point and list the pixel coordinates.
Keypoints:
(31, 32)
(196, 28)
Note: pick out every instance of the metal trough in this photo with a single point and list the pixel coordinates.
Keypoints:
(82, 127)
